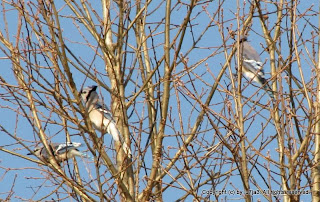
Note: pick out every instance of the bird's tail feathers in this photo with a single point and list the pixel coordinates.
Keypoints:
(81, 154)
(126, 149)
(266, 86)
(268, 89)
(87, 156)
(114, 132)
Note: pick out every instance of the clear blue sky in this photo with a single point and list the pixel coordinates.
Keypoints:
(23, 171)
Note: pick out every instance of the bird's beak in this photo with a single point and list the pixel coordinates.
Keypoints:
(29, 153)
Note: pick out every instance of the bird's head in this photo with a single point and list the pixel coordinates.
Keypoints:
(87, 92)
(36, 151)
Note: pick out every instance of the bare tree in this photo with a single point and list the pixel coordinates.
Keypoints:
(169, 71)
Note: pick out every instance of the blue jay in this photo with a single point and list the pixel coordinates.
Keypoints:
(61, 151)
(252, 65)
(101, 117)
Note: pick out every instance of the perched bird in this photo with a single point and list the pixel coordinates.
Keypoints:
(252, 65)
(61, 151)
(101, 117)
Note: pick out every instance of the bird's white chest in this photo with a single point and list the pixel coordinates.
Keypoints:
(251, 76)
(63, 156)
(99, 121)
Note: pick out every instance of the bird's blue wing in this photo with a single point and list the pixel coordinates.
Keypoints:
(64, 147)
(251, 59)
(253, 66)
(107, 114)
